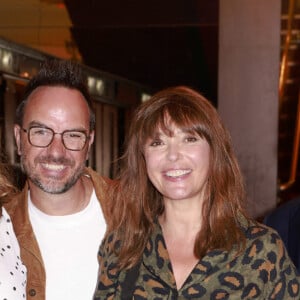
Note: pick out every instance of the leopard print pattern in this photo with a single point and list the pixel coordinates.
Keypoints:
(262, 271)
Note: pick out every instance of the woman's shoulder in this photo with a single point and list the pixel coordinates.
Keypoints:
(108, 246)
(259, 234)
(266, 252)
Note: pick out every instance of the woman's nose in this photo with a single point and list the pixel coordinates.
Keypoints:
(173, 152)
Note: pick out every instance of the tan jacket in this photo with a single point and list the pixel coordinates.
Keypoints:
(30, 252)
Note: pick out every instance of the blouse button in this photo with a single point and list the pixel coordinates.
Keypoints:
(32, 292)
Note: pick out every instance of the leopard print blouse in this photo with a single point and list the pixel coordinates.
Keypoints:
(262, 271)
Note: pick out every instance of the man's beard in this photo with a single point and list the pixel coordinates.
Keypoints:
(52, 185)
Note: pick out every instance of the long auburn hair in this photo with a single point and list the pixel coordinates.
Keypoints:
(136, 203)
(7, 188)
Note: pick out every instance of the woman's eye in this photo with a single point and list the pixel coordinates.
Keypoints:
(156, 143)
(191, 139)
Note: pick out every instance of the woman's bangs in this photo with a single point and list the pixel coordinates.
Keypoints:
(153, 125)
(183, 116)
(187, 120)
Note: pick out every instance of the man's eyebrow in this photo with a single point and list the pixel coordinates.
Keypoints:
(39, 124)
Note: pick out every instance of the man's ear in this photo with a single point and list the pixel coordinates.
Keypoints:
(91, 139)
(90, 143)
(17, 133)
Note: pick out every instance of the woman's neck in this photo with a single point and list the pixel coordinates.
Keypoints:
(181, 216)
(180, 231)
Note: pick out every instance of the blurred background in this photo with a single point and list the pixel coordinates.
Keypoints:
(243, 55)
(155, 43)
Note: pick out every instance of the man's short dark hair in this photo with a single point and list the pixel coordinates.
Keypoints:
(58, 72)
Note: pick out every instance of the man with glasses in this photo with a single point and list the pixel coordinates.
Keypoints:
(59, 216)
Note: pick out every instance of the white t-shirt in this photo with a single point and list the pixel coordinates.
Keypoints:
(12, 271)
(69, 247)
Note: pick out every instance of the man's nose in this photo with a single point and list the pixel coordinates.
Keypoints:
(57, 145)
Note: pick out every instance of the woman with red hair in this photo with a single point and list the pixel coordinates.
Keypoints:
(179, 229)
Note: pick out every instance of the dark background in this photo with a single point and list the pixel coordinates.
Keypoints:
(155, 43)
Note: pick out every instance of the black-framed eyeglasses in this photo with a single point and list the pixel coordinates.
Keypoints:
(42, 137)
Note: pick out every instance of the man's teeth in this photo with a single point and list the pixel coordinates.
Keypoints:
(54, 167)
(177, 173)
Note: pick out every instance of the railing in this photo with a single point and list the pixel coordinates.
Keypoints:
(282, 80)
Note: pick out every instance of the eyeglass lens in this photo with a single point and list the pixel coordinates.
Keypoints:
(42, 137)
